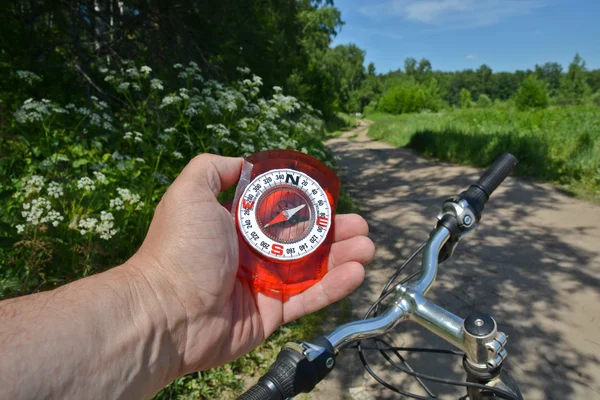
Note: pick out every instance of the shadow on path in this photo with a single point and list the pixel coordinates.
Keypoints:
(533, 264)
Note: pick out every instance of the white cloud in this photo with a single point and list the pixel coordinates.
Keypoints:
(472, 57)
(452, 13)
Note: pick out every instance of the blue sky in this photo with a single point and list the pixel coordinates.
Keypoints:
(456, 34)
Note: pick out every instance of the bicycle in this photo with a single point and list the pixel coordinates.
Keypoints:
(301, 365)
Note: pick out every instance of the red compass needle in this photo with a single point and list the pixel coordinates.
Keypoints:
(285, 215)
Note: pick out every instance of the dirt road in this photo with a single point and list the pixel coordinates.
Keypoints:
(533, 264)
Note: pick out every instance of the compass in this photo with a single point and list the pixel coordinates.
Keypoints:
(284, 213)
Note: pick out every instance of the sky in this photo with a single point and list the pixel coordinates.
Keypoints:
(506, 35)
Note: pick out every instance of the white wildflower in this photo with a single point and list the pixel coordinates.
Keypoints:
(34, 184)
(140, 160)
(277, 89)
(105, 227)
(146, 69)
(170, 130)
(163, 137)
(117, 203)
(53, 217)
(34, 211)
(20, 228)
(136, 87)
(177, 155)
(161, 178)
(100, 178)
(132, 72)
(156, 84)
(28, 77)
(86, 184)
(128, 135)
(55, 190)
(124, 86)
(125, 197)
(170, 99)
(177, 66)
(138, 137)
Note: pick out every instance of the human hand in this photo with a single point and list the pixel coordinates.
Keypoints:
(190, 260)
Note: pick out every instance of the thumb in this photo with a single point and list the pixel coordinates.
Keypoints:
(211, 171)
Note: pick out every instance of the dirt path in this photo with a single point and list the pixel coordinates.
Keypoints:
(533, 264)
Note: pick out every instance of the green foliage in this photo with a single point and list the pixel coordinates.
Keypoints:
(465, 98)
(556, 144)
(484, 101)
(409, 96)
(596, 98)
(81, 181)
(339, 124)
(532, 94)
(574, 89)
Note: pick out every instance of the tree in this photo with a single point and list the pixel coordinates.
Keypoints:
(573, 86)
(484, 101)
(533, 93)
(465, 98)
(410, 66)
(551, 73)
(371, 68)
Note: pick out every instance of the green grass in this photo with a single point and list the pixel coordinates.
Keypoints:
(560, 145)
(339, 124)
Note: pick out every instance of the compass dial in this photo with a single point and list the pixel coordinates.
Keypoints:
(284, 214)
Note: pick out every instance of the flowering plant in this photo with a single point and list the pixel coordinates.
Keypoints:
(85, 178)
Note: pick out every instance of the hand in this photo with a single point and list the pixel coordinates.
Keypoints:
(190, 259)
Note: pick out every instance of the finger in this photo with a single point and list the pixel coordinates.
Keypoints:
(215, 172)
(358, 248)
(334, 286)
(349, 225)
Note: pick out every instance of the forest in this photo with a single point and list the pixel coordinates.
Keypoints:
(103, 102)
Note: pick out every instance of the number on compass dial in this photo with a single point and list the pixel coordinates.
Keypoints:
(284, 214)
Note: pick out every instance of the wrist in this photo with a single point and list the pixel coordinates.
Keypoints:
(159, 315)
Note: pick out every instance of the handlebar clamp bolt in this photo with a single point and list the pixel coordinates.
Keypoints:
(467, 220)
(330, 362)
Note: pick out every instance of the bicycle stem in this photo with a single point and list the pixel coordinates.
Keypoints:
(482, 351)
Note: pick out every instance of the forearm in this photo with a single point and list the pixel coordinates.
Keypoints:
(106, 336)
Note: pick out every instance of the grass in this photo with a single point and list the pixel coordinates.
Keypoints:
(339, 124)
(560, 145)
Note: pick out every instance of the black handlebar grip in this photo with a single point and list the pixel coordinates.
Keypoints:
(479, 193)
(261, 391)
(278, 382)
(497, 173)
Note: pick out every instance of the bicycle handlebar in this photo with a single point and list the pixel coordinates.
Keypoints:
(479, 193)
(300, 366)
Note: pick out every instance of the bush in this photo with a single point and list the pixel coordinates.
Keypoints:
(465, 98)
(81, 181)
(484, 101)
(409, 97)
(596, 98)
(532, 94)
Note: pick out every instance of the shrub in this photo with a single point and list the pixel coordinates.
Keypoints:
(532, 94)
(484, 101)
(596, 98)
(465, 98)
(409, 97)
(81, 181)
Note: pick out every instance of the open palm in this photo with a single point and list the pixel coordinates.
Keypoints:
(192, 244)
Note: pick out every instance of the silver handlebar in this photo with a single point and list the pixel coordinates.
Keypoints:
(482, 352)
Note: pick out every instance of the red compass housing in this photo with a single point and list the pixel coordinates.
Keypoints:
(284, 209)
